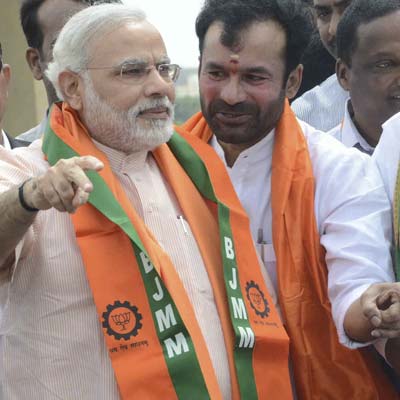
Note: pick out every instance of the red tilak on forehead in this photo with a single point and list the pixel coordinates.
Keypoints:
(234, 63)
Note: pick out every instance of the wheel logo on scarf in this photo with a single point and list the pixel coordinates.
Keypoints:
(122, 320)
(257, 300)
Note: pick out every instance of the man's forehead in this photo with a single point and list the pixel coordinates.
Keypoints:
(139, 42)
(260, 36)
(381, 35)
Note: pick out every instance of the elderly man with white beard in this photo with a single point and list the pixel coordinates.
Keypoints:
(127, 262)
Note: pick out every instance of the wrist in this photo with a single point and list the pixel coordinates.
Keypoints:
(25, 204)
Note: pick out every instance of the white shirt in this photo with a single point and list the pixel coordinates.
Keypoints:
(351, 209)
(323, 106)
(6, 142)
(347, 133)
(53, 343)
(387, 154)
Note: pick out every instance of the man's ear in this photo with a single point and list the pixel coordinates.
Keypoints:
(343, 74)
(71, 88)
(32, 57)
(294, 81)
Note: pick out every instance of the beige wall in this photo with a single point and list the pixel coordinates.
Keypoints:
(27, 100)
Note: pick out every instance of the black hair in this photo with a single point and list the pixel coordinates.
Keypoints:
(29, 19)
(360, 12)
(237, 15)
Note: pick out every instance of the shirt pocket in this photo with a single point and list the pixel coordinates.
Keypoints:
(267, 254)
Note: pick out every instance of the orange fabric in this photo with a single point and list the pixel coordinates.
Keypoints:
(323, 368)
(271, 351)
(96, 235)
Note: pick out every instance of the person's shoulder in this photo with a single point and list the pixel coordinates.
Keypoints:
(328, 153)
(25, 158)
(341, 173)
(390, 137)
(20, 164)
(387, 153)
(388, 147)
(322, 106)
(335, 132)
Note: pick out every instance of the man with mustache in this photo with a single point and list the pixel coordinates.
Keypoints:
(323, 106)
(127, 264)
(317, 210)
(42, 21)
(368, 68)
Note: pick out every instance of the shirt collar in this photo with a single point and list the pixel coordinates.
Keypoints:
(6, 142)
(350, 135)
(121, 162)
(254, 154)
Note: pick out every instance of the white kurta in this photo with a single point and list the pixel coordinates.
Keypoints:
(347, 133)
(351, 209)
(387, 153)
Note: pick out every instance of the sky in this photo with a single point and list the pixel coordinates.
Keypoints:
(175, 20)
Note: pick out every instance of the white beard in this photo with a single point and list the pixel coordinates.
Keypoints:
(120, 129)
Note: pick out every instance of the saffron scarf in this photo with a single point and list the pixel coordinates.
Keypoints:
(323, 368)
(154, 341)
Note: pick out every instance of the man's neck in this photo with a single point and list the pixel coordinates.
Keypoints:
(233, 150)
(370, 135)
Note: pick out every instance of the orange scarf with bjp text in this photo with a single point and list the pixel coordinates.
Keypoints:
(155, 343)
(323, 368)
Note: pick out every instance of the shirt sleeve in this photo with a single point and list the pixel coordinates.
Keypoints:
(354, 220)
(15, 168)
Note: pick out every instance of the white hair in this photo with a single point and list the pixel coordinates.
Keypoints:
(71, 51)
(124, 130)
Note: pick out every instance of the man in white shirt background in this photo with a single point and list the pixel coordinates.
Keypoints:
(322, 106)
(368, 46)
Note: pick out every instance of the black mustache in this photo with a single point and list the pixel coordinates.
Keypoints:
(220, 106)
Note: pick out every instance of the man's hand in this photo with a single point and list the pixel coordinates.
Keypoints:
(64, 186)
(381, 306)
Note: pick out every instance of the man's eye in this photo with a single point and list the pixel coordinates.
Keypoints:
(251, 78)
(383, 64)
(323, 15)
(164, 70)
(131, 71)
(216, 75)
